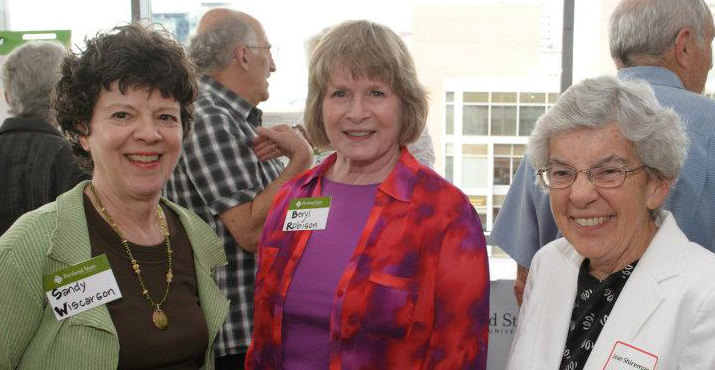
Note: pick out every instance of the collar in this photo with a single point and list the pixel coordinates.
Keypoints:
(398, 184)
(28, 124)
(664, 257)
(71, 231)
(654, 76)
(241, 106)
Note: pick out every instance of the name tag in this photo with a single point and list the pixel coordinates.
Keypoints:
(307, 214)
(80, 287)
(626, 356)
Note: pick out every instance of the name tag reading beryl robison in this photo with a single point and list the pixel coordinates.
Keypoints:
(307, 214)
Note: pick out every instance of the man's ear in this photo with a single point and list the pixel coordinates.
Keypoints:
(684, 48)
(242, 57)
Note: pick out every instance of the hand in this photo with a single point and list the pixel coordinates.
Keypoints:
(282, 140)
(520, 283)
(266, 149)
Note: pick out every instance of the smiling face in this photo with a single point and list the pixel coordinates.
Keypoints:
(362, 119)
(135, 141)
(610, 226)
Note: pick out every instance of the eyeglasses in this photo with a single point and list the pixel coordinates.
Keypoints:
(269, 48)
(562, 176)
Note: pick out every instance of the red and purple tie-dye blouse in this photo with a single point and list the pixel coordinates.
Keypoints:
(415, 294)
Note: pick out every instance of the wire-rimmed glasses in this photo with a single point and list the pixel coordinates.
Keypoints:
(558, 176)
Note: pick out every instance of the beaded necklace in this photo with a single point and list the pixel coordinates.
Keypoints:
(159, 318)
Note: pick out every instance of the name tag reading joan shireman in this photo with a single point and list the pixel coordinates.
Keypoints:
(307, 214)
(628, 356)
(80, 287)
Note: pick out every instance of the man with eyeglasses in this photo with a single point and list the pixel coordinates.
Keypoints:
(229, 172)
(667, 44)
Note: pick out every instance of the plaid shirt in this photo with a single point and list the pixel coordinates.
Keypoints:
(415, 294)
(219, 170)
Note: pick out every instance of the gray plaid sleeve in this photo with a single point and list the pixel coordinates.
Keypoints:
(221, 161)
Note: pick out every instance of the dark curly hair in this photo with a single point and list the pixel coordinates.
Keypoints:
(135, 56)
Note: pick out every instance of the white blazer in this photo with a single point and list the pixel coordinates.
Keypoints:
(666, 308)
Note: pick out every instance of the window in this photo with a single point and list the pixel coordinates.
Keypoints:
(507, 158)
(449, 162)
(503, 121)
(475, 120)
(449, 114)
(497, 201)
(489, 138)
(527, 118)
(475, 164)
(498, 113)
(480, 205)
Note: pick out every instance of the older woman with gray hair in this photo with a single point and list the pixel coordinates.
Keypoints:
(624, 287)
(35, 160)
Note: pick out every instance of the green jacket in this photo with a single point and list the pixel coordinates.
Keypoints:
(54, 237)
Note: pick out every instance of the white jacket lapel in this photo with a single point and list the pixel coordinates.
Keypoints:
(642, 293)
(562, 285)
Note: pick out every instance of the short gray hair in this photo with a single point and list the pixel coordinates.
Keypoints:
(658, 137)
(649, 27)
(213, 49)
(29, 75)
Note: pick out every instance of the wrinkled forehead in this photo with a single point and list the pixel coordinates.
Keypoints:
(592, 146)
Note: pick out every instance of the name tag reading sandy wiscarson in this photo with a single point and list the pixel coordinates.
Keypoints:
(307, 214)
(80, 287)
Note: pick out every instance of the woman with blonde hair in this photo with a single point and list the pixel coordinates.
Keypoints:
(370, 260)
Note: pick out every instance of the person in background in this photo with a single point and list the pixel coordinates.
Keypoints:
(667, 44)
(624, 288)
(36, 161)
(228, 172)
(398, 276)
(125, 103)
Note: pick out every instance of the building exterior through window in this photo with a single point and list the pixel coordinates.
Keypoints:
(487, 124)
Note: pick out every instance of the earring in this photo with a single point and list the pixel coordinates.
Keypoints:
(651, 204)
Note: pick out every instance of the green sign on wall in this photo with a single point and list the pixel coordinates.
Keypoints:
(9, 40)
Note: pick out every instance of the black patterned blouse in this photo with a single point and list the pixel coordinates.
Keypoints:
(594, 301)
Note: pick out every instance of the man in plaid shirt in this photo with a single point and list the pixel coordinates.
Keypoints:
(228, 172)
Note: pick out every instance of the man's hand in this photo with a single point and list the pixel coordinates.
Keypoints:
(282, 140)
(521, 274)
(245, 221)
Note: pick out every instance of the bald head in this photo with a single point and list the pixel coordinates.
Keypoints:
(220, 16)
(219, 31)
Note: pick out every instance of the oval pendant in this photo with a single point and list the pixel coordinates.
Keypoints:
(161, 321)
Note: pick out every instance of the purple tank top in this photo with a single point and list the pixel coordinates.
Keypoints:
(306, 315)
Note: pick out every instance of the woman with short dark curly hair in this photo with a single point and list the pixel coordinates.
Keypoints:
(111, 275)
(131, 57)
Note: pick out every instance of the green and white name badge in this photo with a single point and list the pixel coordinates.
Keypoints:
(307, 214)
(80, 287)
